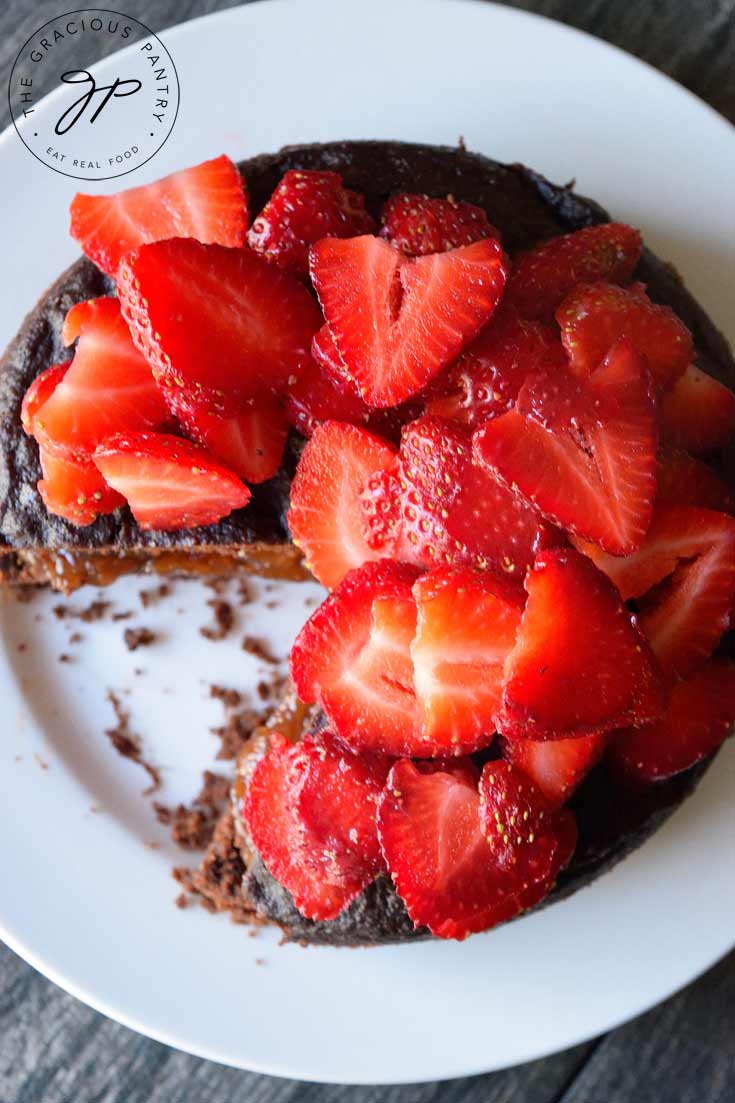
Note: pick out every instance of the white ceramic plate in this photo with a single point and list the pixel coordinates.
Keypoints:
(82, 897)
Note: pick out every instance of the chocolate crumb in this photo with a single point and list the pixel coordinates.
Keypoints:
(138, 637)
(260, 961)
(24, 595)
(259, 649)
(125, 615)
(224, 619)
(154, 595)
(192, 826)
(272, 604)
(216, 585)
(182, 900)
(127, 743)
(64, 658)
(244, 592)
(263, 690)
(230, 698)
(76, 637)
(41, 762)
(22, 647)
(217, 883)
(60, 611)
(96, 610)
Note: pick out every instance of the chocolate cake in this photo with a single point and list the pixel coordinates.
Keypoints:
(39, 548)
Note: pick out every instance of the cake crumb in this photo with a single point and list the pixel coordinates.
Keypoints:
(183, 901)
(224, 619)
(138, 637)
(217, 882)
(96, 610)
(125, 615)
(128, 744)
(230, 698)
(192, 826)
(259, 649)
(76, 637)
(24, 595)
(154, 595)
(244, 592)
(64, 658)
(22, 647)
(41, 762)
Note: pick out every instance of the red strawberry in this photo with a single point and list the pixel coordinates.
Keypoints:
(336, 803)
(584, 454)
(39, 392)
(465, 629)
(418, 225)
(353, 657)
(700, 716)
(169, 483)
(207, 202)
(436, 848)
(545, 274)
(220, 325)
(695, 550)
(686, 481)
(107, 388)
(457, 513)
(326, 518)
(276, 829)
(527, 837)
(317, 396)
(250, 442)
(305, 207)
(74, 489)
(397, 322)
(594, 316)
(380, 503)
(699, 413)
(581, 665)
(557, 766)
(486, 379)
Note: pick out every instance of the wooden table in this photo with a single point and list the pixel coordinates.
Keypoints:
(55, 1050)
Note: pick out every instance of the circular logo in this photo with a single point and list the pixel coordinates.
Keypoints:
(99, 120)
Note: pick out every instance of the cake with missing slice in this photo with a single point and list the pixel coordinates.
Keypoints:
(483, 416)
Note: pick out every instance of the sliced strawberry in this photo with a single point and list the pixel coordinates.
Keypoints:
(275, 827)
(456, 512)
(317, 397)
(250, 442)
(486, 379)
(336, 803)
(581, 665)
(305, 207)
(207, 202)
(684, 480)
(594, 316)
(221, 324)
(397, 322)
(584, 454)
(74, 489)
(353, 657)
(325, 518)
(107, 388)
(700, 715)
(418, 225)
(694, 549)
(380, 503)
(169, 483)
(557, 766)
(436, 848)
(466, 627)
(39, 392)
(544, 275)
(699, 413)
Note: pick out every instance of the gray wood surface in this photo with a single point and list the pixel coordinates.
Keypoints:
(53, 1049)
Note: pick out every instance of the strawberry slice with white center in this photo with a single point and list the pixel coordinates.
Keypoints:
(557, 766)
(107, 388)
(74, 489)
(207, 202)
(220, 325)
(699, 717)
(584, 454)
(694, 549)
(320, 890)
(466, 627)
(353, 657)
(249, 442)
(397, 322)
(457, 513)
(326, 518)
(580, 666)
(434, 837)
(169, 483)
(698, 414)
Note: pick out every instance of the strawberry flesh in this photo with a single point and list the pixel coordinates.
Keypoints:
(418, 225)
(74, 489)
(698, 414)
(39, 392)
(250, 443)
(207, 202)
(169, 483)
(580, 666)
(684, 480)
(557, 766)
(397, 322)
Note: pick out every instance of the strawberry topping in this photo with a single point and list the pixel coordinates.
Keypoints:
(418, 225)
(397, 322)
(169, 483)
(207, 202)
(581, 665)
(543, 276)
(305, 207)
(39, 392)
(75, 489)
(249, 442)
(699, 413)
(684, 480)
(557, 766)
(584, 454)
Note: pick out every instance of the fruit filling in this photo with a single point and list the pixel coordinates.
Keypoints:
(508, 478)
